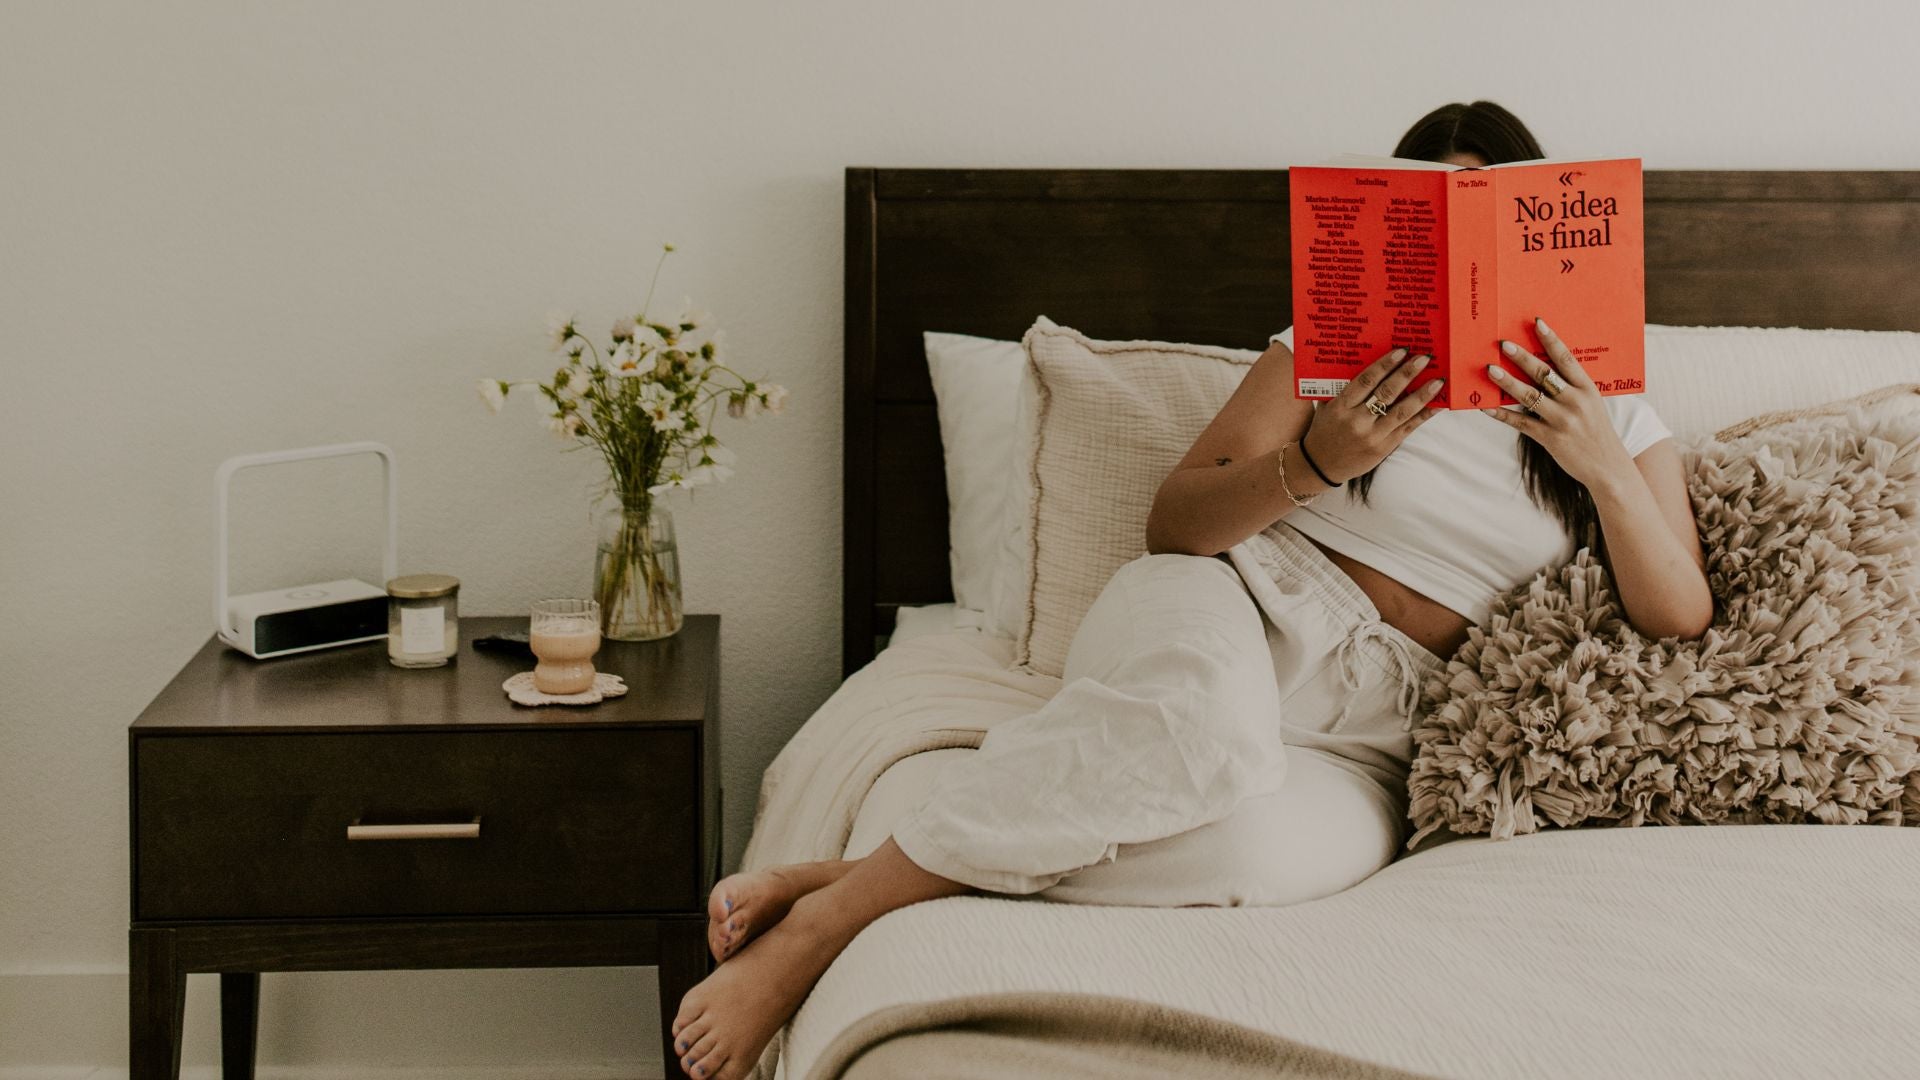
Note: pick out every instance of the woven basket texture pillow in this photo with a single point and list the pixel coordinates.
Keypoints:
(1112, 420)
(1800, 704)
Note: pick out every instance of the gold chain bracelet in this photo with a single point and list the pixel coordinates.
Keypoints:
(1297, 500)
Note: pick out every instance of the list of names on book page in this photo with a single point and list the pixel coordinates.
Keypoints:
(1373, 260)
(1336, 264)
(1412, 263)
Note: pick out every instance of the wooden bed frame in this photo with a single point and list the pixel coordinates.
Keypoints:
(1201, 256)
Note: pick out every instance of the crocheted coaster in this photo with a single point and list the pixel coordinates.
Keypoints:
(520, 688)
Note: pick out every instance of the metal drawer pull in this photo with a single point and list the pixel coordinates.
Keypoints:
(450, 830)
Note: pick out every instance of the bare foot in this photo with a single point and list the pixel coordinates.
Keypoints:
(726, 1022)
(743, 906)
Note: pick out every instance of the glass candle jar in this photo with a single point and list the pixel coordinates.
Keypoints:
(423, 620)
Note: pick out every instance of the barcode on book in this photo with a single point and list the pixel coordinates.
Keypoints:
(1322, 388)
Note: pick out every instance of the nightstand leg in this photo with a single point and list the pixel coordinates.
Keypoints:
(239, 1022)
(684, 961)
(156, 1005)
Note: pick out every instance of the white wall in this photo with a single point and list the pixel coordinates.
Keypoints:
(237, 226)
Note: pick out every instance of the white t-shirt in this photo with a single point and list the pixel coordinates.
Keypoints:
(1449, 514)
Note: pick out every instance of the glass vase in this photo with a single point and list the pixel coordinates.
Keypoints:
(636, 573)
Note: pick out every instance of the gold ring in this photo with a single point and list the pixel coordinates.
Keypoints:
(1537, 395)
(1377, 409)
(1553, 384)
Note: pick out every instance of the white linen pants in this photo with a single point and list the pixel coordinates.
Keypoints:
(1229, 730)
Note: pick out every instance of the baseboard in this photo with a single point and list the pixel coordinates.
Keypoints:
(530, 1024)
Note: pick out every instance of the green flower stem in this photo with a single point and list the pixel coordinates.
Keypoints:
(647, 304)
(654, 609)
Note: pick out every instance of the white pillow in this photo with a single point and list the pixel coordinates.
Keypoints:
(976, 386)
(1013, 562)
(1700, 379)
(924, 620)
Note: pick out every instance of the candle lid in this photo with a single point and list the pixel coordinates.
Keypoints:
(423, 586)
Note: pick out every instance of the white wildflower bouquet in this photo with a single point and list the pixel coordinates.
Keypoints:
(647, 403)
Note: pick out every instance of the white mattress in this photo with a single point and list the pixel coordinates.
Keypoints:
(1737, 951)
(910, 622)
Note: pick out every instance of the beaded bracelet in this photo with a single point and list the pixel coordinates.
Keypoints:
(1297, 500)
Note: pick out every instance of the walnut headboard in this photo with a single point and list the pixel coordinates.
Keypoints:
(1201, 255)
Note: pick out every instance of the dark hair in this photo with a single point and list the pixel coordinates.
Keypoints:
(1481, 128)
(1497, 135)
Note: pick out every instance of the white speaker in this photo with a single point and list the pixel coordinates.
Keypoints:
(281, 622)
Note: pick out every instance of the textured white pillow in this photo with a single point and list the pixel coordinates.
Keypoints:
(1013, 562)
(1110, 420)
(976, 388)
(1703, 378)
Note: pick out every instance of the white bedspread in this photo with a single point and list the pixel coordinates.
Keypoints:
(1737, 951)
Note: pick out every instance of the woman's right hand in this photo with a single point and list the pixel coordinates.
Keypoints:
(1346, 439)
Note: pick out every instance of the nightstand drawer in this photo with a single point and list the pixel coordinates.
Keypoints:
(570, 821)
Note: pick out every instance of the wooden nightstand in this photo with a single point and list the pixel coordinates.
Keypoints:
(584, 836)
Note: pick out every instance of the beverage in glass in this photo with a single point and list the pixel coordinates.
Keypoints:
(564, 634)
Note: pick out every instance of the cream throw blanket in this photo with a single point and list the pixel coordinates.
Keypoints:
(927, 693)
(1073, 1037)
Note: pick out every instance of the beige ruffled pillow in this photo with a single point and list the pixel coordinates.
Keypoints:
(1802, 702)
(1109, 421)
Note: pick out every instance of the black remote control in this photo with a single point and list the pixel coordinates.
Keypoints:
(513, 643)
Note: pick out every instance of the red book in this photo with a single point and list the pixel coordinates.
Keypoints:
(1449, 260)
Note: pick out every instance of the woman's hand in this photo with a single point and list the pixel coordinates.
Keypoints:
(1566, 415)
(1646, 519)
(1346, 437)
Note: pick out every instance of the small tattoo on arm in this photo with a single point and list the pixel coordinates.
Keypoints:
(1223, 461)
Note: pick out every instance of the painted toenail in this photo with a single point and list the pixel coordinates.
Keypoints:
(680, 1046)
(727, 904)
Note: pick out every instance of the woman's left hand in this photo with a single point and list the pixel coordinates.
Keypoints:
(1574, 425)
